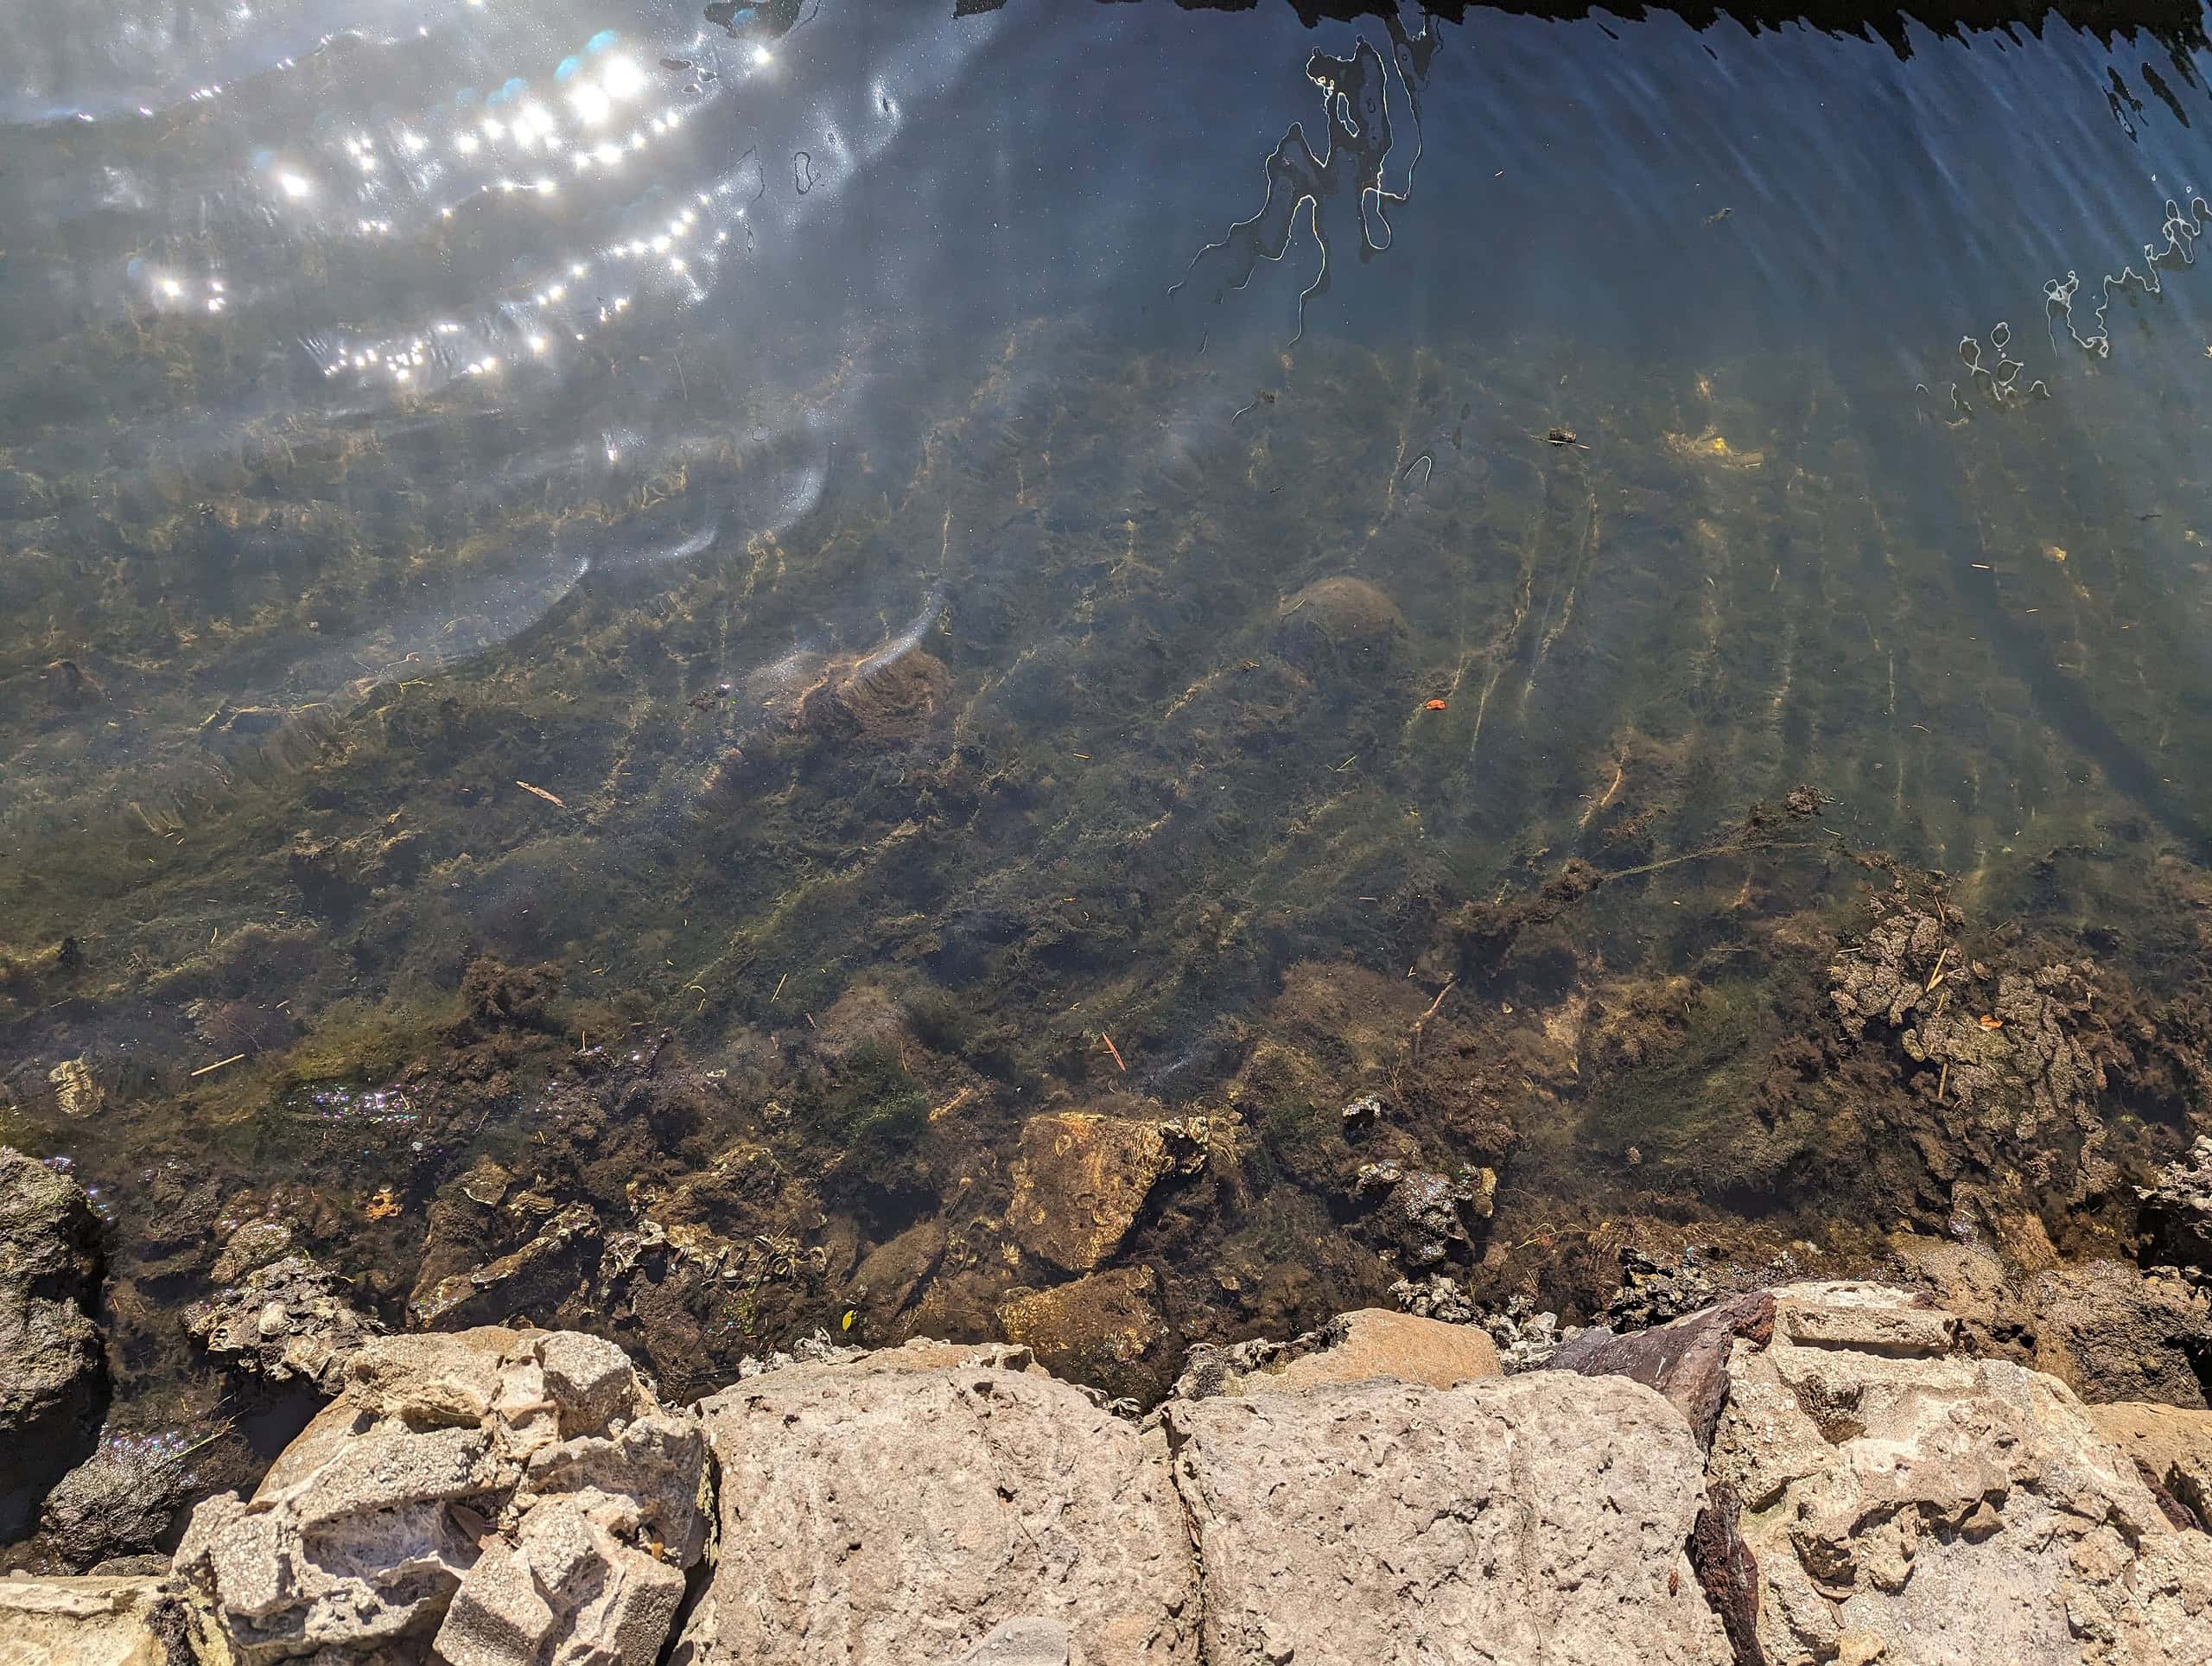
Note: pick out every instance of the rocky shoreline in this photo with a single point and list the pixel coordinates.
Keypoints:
(1839, 1471)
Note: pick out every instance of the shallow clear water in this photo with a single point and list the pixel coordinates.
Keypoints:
(747, 514)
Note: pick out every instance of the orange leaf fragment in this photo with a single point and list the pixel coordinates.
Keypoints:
(1990, 1022)
(1432, 705)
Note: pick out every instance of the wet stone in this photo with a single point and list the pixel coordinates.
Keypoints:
(292, 1319)
(50, 1361)
(1080, 1181)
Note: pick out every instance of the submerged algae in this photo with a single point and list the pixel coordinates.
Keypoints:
(1120, 744)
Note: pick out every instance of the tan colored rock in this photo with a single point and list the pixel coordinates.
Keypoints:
(2173, 1444)
(1912, 1505)
(1080, 1181)
(86, 1622)
(1372, 1343)
(1863, 1317)
(1532, 1518)
(882, 1515)
(519, 1494)
(1089, 1326)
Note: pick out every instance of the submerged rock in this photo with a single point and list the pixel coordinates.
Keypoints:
(1102, 1328)
(1342, 621)
(1425, 1217)
(2178, 1208)
(1080, 1181)
(498, 1495)
(291, 1319)
(120, 1501)
(51, 1371)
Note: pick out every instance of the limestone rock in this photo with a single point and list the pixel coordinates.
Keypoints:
(519, 1494)
(293, 1318)
(1539, 1517)
(2171, 1448)
(1900, 1498)
(1080, 1181)
(925, 1517)
(91, 1622)
(51, 1373)
(1351, 1348)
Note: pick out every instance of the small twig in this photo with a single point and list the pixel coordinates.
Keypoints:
(1115, 1051)
(1936, 976)
(1435, 1004)
(780, 982)
(219, 1063)
(1942, 1076)
(541, 793)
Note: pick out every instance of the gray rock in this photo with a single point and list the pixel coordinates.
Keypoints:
(291, 1319)
(1538, 1518)
(874, 1513)
(52, 1379)
(504, 1496)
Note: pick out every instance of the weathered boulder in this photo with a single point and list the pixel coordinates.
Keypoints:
(2171, 1450)
(291, 1317)
(93, 1622)
(50, 1374)
(1539, 1517)
(871, 1512)
(1080, 1181)
(1350, 1348)
(501, 1496)
(1904, 1503)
